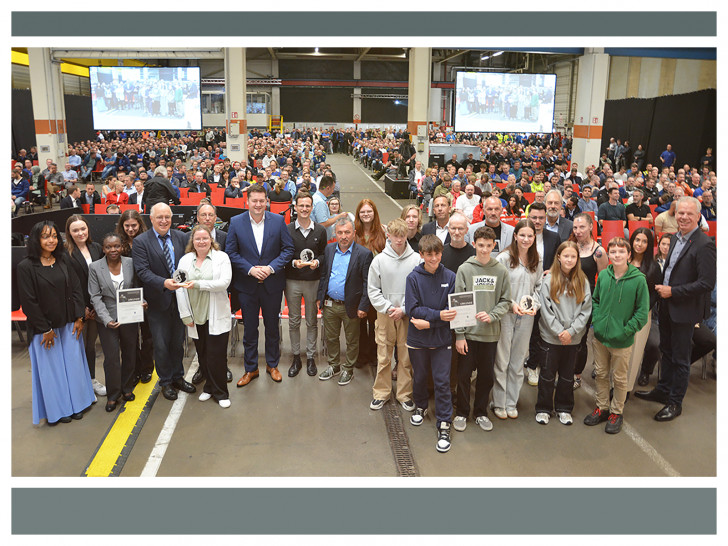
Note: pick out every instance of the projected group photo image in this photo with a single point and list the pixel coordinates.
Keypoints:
(499, 102)
(145, 97)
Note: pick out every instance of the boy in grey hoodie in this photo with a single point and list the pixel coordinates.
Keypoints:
(477, 344)
(386, 288)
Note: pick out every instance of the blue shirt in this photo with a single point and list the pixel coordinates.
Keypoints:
(680, 242)
(320, 212)
(338, 273)
(169, 244)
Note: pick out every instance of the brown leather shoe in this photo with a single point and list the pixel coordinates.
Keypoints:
(247, 378)
(275, 375)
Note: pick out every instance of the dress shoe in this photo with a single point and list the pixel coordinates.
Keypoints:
(295, 366)
(197, 378)
(229, 376)
(311, 367)
(247, 378)
(145, 377)
(653, 396)
(169, 393)
(275, 375)
(183, 385)
(129, 396)
(644, 379)
(669, 412)
(77, 416)
(110, 406)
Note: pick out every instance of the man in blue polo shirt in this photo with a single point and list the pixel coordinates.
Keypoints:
(667, 157)
(321, 214)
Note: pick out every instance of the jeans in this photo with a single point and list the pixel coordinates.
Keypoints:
(561, 359)
(18, 201)
(435, 362)
(108, 170)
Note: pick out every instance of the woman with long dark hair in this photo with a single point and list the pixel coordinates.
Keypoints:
(51, 298)
(525, 270)
(82, 251)
(369, 232)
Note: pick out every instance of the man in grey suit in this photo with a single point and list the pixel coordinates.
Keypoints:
(555, 222)
(492, 208)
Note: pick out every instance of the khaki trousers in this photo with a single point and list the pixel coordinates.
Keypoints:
(616, 361)
(389, 333)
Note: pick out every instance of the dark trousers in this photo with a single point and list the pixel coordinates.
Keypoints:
(168, 337)
(119, 372)
(704, 342)
(481, 357)
(367, 342)
(435, 363)
(251, 306)
(559, 358)
(536, 353)
(90, 333)
(145, 355)
(582, 351)
(676, 340)
(652, 349)
(212, 358)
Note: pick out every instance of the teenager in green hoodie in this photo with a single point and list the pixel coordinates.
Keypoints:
(477, 344)
(620, 304)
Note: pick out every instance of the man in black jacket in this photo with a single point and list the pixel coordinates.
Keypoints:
(688, 280)
(159, 190)
(90, 197)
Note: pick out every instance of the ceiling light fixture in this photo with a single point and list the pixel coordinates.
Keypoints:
(498, 53)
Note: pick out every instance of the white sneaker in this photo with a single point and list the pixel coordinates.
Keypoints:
(542, 418)
(99, 389)
(533, 377)
(204, 397)
(484, 423)
(459, 423)
(512, 413)
(500, 413)
(224, 403)
(565, 418)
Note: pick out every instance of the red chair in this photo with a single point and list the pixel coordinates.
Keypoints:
(86, 208)
(17, 317)
(529, 196)
(278, 208)
(98, 169)
(237, 202)
(127, 206)
(595, 226)
(100, 209)
(610, 230)
(713, 229)
(196, 196)
(183, 192)
(633, 225)
(217, 198)
(213, 185)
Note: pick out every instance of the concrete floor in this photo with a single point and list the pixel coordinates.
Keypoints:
(306, 427)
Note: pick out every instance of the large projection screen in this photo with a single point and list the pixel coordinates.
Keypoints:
(504, 103)
(145, 98)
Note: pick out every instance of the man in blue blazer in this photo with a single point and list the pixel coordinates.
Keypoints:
(156, 253)
(342, 295)
(259, 247)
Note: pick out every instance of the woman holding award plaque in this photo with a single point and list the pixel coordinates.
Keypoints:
(525, 270)
(105, 278)
(204, 308)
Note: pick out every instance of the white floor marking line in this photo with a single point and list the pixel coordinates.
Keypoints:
(376, 184)
(643, 444)
(165, 436)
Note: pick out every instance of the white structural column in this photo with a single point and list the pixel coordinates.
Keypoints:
(356, 117)
(235, 111)
(591, 92)
(436, 113)
(49, 113)
(275, 92)
(418, 100)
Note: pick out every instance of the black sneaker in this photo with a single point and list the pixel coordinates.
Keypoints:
(443, 438)
(614, 423)
(596, 417)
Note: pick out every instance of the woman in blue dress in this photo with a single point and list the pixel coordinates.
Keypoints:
(51, 297)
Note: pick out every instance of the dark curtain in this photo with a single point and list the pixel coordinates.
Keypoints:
(79, 118)
(687, 122)
(383, 111)
(303, 104)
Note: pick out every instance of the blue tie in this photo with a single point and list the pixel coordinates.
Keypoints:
(167, 254)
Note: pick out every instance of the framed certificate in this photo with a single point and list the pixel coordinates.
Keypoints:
(464, 304)
(129, 305)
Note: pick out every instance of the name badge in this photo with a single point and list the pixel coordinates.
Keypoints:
(328, 303)
(444, 285)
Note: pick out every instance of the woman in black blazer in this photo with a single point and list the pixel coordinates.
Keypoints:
(82, 251)
(52, 299)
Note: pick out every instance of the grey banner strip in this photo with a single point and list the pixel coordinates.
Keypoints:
(423, 23)
(340, 511)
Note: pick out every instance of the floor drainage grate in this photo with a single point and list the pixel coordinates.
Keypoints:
(398, 441)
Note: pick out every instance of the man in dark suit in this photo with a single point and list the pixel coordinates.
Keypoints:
(342, 296)
(137, 197)
(156, 253)
(556, 223)
(73, 199)
(90, 197)
(689, 279)
(200, 185)
(439, 226)
(206, 215)
(259, 247)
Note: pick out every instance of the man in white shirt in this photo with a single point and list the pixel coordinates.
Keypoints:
(69, 176)
(467, 201)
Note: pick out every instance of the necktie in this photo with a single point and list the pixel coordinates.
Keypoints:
(167, 253)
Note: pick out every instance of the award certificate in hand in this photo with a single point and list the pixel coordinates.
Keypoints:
(129, 305)
(464, 304)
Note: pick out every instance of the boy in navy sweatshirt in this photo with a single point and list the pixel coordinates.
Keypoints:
(429, 342)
